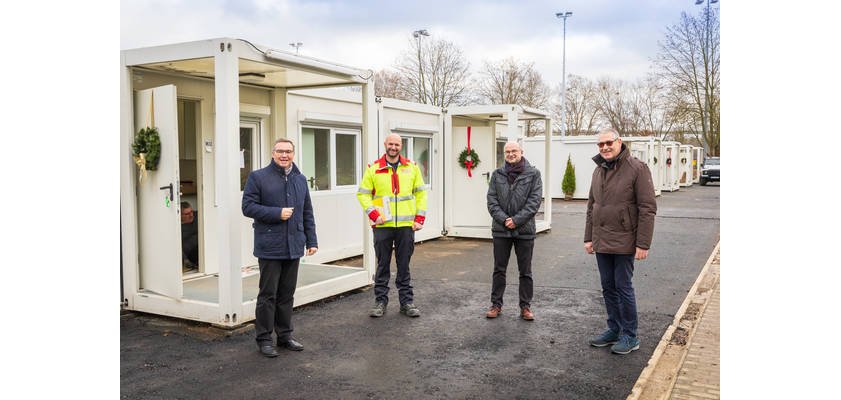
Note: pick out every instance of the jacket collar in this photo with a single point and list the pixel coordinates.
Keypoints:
(279, 169)
(382, 162)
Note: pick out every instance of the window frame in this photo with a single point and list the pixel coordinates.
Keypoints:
(357, 156)
(256, 142)
(411, 150)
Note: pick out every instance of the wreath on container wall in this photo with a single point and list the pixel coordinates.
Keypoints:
(470, 157)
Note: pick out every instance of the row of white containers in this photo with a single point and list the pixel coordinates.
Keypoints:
(673, 165)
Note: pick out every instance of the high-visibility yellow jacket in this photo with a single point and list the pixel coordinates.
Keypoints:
(404, 188)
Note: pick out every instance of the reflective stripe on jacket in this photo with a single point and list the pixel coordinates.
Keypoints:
(404, 188)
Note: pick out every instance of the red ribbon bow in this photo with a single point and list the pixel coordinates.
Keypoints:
(469, 162)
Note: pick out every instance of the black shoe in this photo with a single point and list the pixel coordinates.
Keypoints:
(291, 344)
(268, 351)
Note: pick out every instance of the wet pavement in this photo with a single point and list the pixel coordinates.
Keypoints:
(451, 351)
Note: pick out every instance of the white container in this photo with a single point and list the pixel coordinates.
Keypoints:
(697, 160)
(232, 101)
(670, 170)
(685, 165)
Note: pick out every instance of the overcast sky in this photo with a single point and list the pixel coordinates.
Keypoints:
(614, 38)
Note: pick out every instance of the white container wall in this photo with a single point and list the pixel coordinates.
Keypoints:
(581, 150)
(670, 166)
(645, 150)
(697, 159)
(685, 165)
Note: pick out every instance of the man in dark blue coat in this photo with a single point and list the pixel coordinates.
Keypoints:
(278, 200)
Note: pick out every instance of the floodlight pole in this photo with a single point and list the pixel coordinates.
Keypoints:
(564, 15)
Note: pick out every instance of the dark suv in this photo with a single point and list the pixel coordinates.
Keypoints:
(710, 170)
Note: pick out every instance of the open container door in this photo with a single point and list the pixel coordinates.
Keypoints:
(158, 199)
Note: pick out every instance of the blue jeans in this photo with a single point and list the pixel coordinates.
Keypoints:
(616, 271)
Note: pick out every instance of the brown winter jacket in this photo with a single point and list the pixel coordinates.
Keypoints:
(621, 208)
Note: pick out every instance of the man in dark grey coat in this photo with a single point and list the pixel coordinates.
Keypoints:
(278, 199)
(620, 224)
(514, 195)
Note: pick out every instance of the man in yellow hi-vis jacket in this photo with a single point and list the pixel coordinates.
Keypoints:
(393, 195)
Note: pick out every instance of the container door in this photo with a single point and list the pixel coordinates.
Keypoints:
(470, 193)
(158, 197)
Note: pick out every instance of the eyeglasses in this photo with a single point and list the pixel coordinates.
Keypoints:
(284, 151)
(512, 151)
(607, 143)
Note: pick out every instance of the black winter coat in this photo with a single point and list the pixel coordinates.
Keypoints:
(267, 191)
(519, 200)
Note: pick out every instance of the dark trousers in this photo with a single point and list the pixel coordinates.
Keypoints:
(403, 241)
(616, 271)
(502, 253)
(278, 279)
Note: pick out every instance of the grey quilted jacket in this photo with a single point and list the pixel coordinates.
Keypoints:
(519, 200)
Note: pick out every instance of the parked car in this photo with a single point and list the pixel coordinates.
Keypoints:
(710, 170)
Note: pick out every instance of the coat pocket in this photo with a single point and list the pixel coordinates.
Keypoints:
(625, 218)
(268, 239)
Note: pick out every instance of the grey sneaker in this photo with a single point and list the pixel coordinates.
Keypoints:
(409, 310)
(378, 310)
(606, 338)
(625, 345)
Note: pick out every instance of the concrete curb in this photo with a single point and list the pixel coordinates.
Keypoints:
(658, 378)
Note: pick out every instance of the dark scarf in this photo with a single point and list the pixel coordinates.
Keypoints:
(514, 170)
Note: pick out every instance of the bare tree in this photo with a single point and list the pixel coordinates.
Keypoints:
(689, 64)
(436, 73)
(390, 84)
(618, 105)
(581, 109)
(511, 82)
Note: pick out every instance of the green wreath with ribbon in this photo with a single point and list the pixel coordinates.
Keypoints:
(147, 148)
(462, 158)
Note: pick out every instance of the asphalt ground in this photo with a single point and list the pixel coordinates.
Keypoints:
(452, 351)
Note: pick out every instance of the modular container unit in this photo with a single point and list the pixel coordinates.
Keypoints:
(327, 122)
(670, 171)
(685, 165)
(218, 106)
(645, 149)
(465, 194)
(697, 160)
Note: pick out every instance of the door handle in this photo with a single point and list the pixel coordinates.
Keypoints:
(487, 176)
(171, 194)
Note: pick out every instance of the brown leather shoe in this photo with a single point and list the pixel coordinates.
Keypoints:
(526, 314)
(493, 312)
